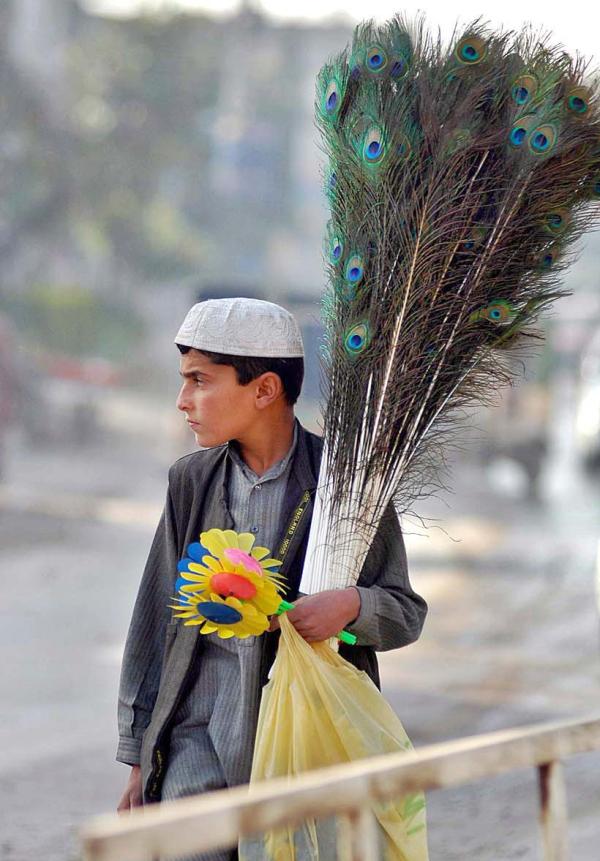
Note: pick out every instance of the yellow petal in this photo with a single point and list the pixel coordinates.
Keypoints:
(267, 604)
(260, 552)
(197, 568)
(258, 624)
(213, 564)
(245, 541)
(214, 541)
(231, 537)
(194, 622)
(225, 633)
(209, 628)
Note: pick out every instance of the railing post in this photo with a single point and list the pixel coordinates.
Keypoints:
(553, 811)
(358, 838)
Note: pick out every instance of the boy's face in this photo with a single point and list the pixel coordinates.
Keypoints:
(217, 407)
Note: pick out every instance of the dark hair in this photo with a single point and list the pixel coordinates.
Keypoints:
(248, 368)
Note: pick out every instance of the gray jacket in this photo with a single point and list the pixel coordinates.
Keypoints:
(159, 652)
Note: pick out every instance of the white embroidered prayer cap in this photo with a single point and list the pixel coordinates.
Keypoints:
(241, 327)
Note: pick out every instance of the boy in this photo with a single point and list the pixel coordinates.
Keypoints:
(188, 703)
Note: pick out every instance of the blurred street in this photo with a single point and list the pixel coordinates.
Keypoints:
(511, 638)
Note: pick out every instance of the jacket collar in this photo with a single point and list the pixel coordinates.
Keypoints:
(305, 469)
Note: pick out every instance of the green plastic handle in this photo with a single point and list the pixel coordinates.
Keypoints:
(344, 636)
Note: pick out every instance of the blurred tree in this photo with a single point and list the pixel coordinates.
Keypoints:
(153, 151)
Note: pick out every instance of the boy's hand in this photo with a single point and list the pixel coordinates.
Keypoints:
(318, 617)
(132, 797)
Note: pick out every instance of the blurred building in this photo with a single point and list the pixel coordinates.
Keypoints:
(38, 40)
(159, 153)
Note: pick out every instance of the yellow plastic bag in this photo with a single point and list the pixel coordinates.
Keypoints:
(319, 710)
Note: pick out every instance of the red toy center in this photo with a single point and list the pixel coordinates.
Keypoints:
(227, 584)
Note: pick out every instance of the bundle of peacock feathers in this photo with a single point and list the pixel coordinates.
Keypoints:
(458, 181)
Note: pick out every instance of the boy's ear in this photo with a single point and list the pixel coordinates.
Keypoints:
(269, 388)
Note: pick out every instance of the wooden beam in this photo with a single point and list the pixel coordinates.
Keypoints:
(216, 819)
(553, 811)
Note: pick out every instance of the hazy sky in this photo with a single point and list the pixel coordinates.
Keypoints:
(574, 25)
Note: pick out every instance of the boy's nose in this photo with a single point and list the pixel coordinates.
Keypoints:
(182, 401)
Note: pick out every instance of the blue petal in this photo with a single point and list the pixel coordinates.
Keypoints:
(197, 551)
(183, 565)
(181, 581)
(219, 614)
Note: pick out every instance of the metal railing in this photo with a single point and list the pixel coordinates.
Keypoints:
(217, 819)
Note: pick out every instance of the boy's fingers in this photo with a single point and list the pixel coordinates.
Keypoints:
(274, 625)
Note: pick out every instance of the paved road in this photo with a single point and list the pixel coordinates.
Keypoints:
(511, 638)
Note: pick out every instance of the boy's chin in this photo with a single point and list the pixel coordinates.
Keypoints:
(207, 440)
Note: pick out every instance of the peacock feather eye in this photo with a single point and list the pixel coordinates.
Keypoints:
(356, 339)
(542, 139)
(399, 68)
(336, 249)
(470, 50)
(376, 58)
(403, 148)
(332, 97)
(498, 311)
(577, 101)
(595, 187)
(548, 258)
(354, 269)
(524, 89)
(557, 221)
(373, 148)
(475, 239)
(521, 129)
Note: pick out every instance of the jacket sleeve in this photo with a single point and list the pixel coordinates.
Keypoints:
(391, 612)
(142, 658)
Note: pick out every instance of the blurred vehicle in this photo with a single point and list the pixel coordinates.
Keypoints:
(516, 430)
(587, 413)
(62, 405)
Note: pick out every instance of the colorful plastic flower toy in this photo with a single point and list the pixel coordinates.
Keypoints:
(225, 562)
(229, 587)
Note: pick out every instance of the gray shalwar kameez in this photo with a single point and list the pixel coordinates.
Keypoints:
(164, 662)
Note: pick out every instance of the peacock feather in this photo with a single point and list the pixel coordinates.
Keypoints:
(458, 179)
